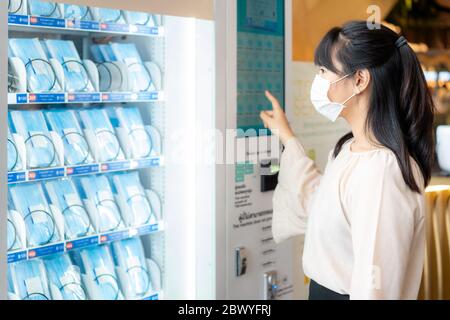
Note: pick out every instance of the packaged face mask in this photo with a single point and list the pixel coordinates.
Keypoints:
(41, 76)
(140, 18)
(75, 73)
(98, 190)
(30, 201)
(109, 15)
(43, 8)
(106, 142)
(138, 76)
(76, 147)
(13, 239)
(76, 12)
(14, 159)
(129, 187)
(64, 194)
(65, 277)
(99, 267)
(103, 53)
(31, 125)
(130, 120)
(29, 280)
(129, 255)
(16, 6)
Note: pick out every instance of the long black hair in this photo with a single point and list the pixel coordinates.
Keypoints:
(401, 109)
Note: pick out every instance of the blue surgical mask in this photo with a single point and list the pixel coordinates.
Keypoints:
(138, 76)
(106, 141)
(75, 73)
(129, 255)
(98, 190)
(29, 280)
(30, 201)
(65, 277)
(129, 187)
(64, 194)
(72, 11)
(41, 76)
(110, 15)
(43, 8)
(14, 158)
(65, 123)
(140, 18)
(15, 6)
(31, 125)
(99, 267)
(130, 120)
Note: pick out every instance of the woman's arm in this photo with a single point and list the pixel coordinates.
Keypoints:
(298, 179)
(297, 182)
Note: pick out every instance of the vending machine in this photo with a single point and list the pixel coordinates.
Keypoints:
(105, 198)
(254, 41)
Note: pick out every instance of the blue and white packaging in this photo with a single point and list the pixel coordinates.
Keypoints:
(76, 12)
(99, 273)
(15, 149)
(43, 222)
(65, 123)
(137, 139)
(64, 194)
(16, 230)
(76, 75)
(101, 135)
(42, 148)
(137, 209)
(107, 15)
(64, 278)
(140, 18)
(130, 259)
(28, 281)
(44, 9)
(139, 77)
(99, 200)
(41, 73)
(19, 7)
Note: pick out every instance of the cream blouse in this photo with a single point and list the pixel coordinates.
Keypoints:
(365, 231)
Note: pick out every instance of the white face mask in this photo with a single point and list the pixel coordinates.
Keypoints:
(320, 100)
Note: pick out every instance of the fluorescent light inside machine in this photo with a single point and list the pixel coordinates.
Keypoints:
(192, 174)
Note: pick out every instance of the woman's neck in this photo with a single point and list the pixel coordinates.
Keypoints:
(363, 140)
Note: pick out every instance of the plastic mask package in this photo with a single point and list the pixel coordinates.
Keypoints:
(41, 150)
(106, 141)
(13, 240)
(129, 118)
(64, 194)
(30, 201)
(14, 158)
(129, 187)
(41, 76)
(98, 265)
(16, 6)
(28, 280)
(64, 276)
(140, 18)
(43, 8)
(75, 73)
(72, 11)
(76, 147)
(98, 190)
(110, 15)
(138, 75)
(129, 255)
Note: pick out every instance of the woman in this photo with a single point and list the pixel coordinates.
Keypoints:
(364, 216)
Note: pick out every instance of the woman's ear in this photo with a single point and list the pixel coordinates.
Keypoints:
(362, 78)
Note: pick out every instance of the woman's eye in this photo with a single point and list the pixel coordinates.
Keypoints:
(322, 70)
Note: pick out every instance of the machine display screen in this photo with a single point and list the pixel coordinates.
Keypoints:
(260, 60)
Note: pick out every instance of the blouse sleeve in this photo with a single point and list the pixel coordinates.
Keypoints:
(382, 210)
(297, 181)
